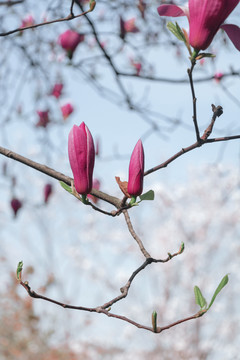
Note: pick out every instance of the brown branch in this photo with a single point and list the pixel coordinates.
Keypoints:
(203, 140)
(217, 111)
(194, 100)
(11, 3)
(176, 81)
(134, 235)
(105, 309)
(71, 16)
(58, 176)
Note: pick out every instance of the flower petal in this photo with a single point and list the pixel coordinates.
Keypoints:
(233, 32)
(172, 10)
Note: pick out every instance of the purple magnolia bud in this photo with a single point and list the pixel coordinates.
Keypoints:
(16, 205)
(47, 192)
(136, 170)
(81, 154)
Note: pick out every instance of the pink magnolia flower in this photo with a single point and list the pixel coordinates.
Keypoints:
(27, 21)
(137, 66)
(128, 26)
(43, 119)
(136, 170)
(205, 18)
(218, 76)
(47, 191)
(66, 110)
(69, 41)
(16, 205)
(57, 90)
(81, 154)
(96, 185)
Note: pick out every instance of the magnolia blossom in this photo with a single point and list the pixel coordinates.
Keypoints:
(47, 191)
(16, 205)
(27, 21)
(128, 26)
(218, 76)
(136, 65)
(136, 170)
(43, 119)
(66, 110)
(205, 18)
(69, 41)
(81, 154)
(57, 90)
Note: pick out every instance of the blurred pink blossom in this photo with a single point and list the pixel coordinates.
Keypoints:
(136, 65)
(47, 191)
(27, 21)
(57, 90)
(43, 119)
(66, 110)
(16, 205)
(218, 76)
(127, 26)
(69, 41)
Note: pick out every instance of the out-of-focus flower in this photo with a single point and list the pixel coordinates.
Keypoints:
(128, 26)
(47, 191)
(57, 90)
(81, 154)
(16, 205)
(95, 185)
(66, 110)
(218, 76)
(136, 170)
(69, 41)
(43, 119)
(136, 65)
(205, 18)
(27, 21)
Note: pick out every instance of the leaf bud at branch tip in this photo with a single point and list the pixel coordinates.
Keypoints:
(154, 321)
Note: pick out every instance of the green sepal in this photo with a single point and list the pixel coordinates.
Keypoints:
(147, 196)
(66, 187)
(200, 300)
(177, 31)
(133, 201)
(203, 55)
(19, 270)
(223, 282)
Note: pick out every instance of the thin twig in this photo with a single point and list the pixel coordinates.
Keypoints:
(71, 16)
(194, 100)
(57, 175)
(105, 308)
(134, 235)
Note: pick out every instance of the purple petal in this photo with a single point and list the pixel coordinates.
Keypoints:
(233, 32)
(172, 10)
